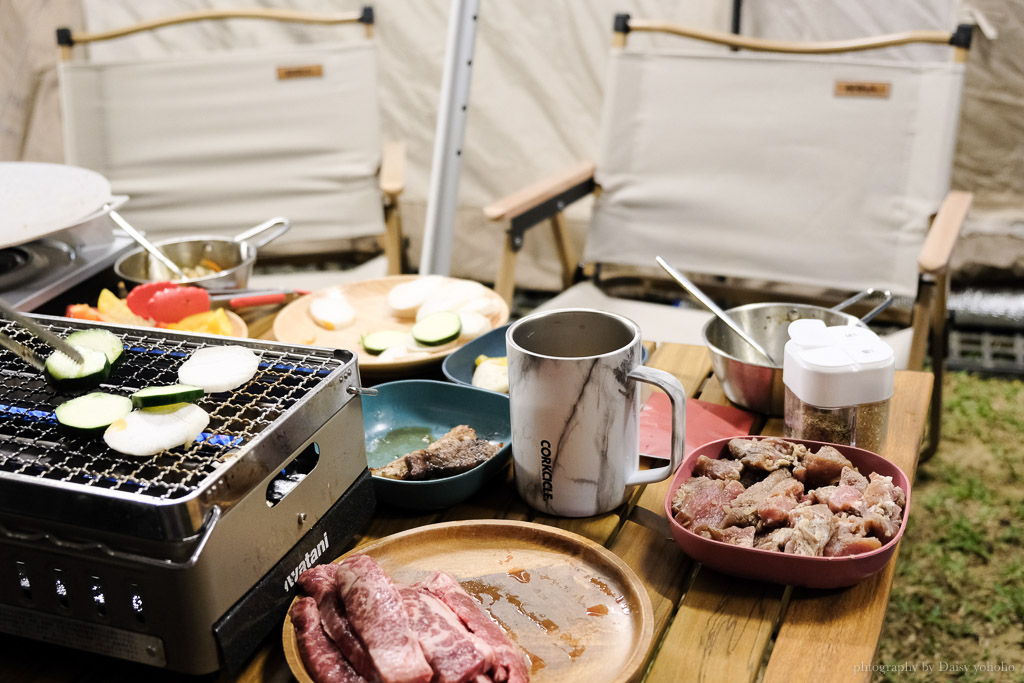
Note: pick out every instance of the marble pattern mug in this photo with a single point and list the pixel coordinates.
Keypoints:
(574, 386)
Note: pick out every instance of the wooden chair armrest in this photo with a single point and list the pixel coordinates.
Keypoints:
(392, 170)
(938, 245)
(533, 196)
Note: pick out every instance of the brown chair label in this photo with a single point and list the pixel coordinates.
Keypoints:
(312, 71)
(862, 89)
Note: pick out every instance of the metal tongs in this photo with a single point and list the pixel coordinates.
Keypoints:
(44, 335)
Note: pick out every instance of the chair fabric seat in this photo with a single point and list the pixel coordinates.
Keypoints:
(675, 324)
(216, 143)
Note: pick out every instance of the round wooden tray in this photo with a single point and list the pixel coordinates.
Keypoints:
(576, 609)
(294, 325)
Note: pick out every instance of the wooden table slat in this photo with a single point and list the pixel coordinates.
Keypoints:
(720, 632)
(841, 628)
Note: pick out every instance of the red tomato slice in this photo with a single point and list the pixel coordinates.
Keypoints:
(138, 298)
(171, 305)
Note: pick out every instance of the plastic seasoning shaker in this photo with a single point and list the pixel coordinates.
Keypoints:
(838, 382)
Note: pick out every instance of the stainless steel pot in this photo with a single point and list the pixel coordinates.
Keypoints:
(235, 257)
(746, 378)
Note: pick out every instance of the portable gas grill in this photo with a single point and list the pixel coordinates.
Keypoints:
(185, 559)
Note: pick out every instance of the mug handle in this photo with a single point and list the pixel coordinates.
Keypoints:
(677, 395)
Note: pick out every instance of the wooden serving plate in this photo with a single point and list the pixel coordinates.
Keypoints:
(576, 609)
(238, 326)
(369, 298)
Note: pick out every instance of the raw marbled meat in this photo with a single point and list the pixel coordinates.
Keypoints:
(455, 654)
(377, 613)
(509, 660)
(320, 583)
(322, 658)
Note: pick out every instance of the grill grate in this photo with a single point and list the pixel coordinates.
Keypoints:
(33, 445)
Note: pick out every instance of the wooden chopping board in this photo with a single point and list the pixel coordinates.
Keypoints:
(294, 324)
(576, 609)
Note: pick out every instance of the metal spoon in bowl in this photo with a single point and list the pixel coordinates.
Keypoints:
(688, 285)
(153, 250)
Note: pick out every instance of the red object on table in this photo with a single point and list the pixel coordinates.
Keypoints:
(704, 422)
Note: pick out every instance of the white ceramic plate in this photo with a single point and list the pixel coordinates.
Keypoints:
(39, 199)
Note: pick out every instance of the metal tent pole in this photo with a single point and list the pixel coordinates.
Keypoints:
(451, 127)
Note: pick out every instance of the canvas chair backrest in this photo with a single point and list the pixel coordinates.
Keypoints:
(219, 142)
(805, 169)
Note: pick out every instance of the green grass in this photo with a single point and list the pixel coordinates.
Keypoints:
(958, 596)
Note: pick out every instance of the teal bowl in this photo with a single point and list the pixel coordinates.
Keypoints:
(406, 415)
(460, 365)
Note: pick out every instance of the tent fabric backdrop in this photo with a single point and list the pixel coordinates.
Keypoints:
(536, 94)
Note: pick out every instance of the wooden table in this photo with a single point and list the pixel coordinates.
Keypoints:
(708, 627)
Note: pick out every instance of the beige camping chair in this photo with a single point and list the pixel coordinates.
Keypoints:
(765, 176)
(220, 141)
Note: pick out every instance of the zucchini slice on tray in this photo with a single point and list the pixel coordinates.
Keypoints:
(67, 375)
(92, 413)
(167, 395)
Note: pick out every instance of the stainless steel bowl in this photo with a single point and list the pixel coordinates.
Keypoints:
(236, 257)
(746, 378)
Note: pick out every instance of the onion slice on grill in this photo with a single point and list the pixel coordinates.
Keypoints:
(219, 368)
(151, 430)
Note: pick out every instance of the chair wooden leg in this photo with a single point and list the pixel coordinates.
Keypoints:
(938, 359)
(505, 282)
(921, 320)
(564, 246)
(393, 239)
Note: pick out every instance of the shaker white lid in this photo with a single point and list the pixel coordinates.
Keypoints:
(837, 366)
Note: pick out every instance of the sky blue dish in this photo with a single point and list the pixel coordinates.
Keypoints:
(458, 366)
(437, 407)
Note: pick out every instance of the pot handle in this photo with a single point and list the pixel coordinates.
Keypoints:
(275, 227)
(886, 302)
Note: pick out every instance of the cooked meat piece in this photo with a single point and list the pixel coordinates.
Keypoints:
(455, 654)
(822, 468)
(743, 511)
(723, 468)
(457, 451)
(701, 502)
(377, 613)
(851, 477)
(880, 490)
(851, 537)
(741, 536)
(885, 503)
(881, 526)
(842, 545)
(322, 658)
(773, 540)
(774, 510)
(764, 454)
(840, 498)
(509, 661)
(813, 526)
(320, 583)
(453, 459)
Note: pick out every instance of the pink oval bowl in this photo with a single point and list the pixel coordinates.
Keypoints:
(777, 567)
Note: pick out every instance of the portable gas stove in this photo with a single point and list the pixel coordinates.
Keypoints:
(186, 559)
(35, 272)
